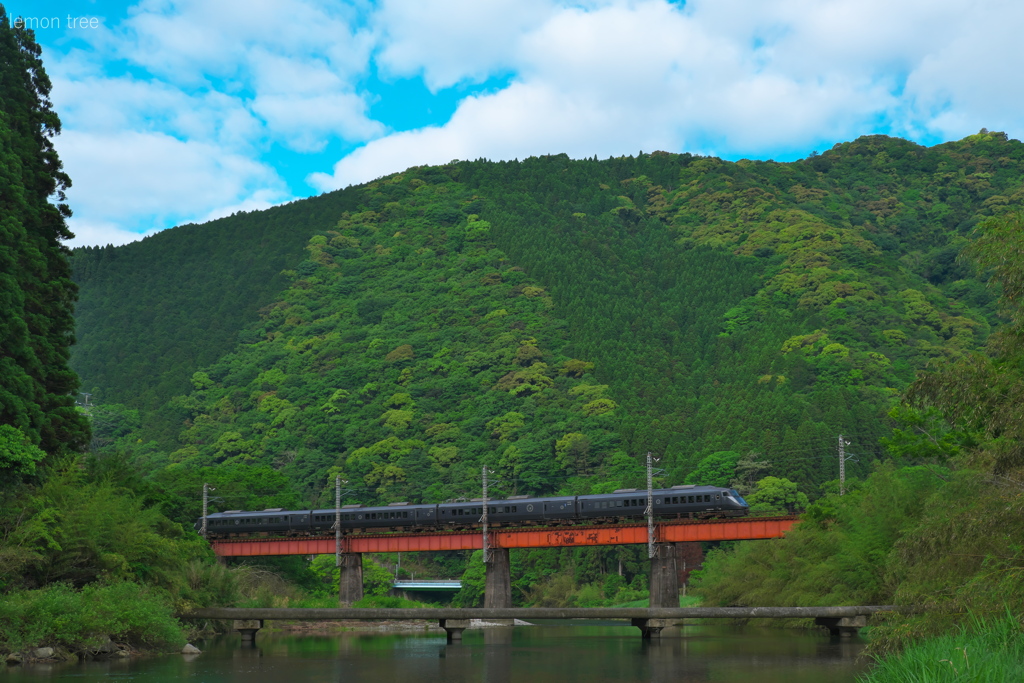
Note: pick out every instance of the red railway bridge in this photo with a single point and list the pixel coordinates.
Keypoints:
(670, 537)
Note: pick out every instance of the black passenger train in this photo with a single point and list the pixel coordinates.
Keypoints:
(678, 502)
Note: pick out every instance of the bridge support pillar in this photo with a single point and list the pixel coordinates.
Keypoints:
(651, 628)
(843, 626)
(454, 628)
(350, 579)
(664, 578)
(498, 581)
(248, 629)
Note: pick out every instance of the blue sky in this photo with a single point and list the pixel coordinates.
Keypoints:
(179, 111)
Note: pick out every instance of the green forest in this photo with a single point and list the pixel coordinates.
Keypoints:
(552, 319)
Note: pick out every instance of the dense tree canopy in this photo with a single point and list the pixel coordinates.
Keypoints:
(36, 291)
(558, 319)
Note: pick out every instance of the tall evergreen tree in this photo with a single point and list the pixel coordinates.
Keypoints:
(36, 292)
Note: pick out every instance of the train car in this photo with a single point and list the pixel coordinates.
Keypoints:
(241, 522)
(624, 503)
(559, 509)
(461, 514)
(393, 515)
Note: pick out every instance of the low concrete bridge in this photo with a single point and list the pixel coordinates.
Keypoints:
(651, 620)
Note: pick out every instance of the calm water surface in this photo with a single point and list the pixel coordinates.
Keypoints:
(549, 653)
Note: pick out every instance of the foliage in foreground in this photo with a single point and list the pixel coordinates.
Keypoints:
(835, 556)
(946, 537)
(61, 616)
(981, 651)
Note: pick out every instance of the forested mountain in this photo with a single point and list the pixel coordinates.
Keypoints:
(176, 300)
(552, 318)
(37, 413)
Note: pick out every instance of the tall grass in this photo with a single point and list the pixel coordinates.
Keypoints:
(982, 651)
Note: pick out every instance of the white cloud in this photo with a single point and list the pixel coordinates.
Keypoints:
(742, 77)
(89, 234)
(449, 41)
(150, 180)
(202, 90)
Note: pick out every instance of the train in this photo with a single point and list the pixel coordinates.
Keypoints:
(678, 502)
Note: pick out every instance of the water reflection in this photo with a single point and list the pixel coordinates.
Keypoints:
(537, 654)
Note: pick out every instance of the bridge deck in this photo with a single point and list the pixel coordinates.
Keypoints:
(746, 528)
(526, 613)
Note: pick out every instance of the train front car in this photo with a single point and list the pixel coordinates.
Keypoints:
(735, 504)
(678, 502)
(691, 501)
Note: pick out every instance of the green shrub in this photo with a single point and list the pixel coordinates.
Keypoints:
(61, 616)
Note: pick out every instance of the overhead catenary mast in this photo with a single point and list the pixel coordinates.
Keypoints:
(650, 507)
(206, 499)
(337, 521)
(842, 465)
(487, 549)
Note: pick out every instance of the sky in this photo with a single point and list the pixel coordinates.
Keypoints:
(182, 111)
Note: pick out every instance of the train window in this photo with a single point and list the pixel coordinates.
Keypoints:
(493, 510)
(514, 508)
(507, 509)
(405, 514)
(618, 503)
(707, 498)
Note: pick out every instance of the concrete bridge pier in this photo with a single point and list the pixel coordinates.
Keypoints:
(350, 579)
(453, 628)
(498, 580)
(843, 626)
(651, 628)
(664, 577)
(248, 629)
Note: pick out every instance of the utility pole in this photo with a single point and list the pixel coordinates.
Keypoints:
(206, 499)
(487, 549)
(842, 465)
(650, 507)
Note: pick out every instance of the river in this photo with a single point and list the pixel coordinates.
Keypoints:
(548, 653)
